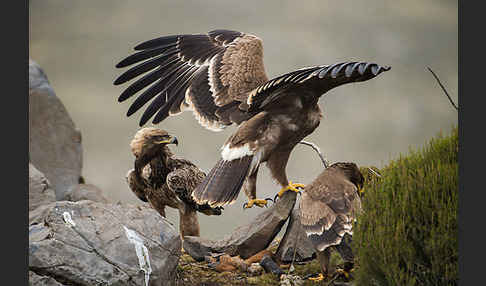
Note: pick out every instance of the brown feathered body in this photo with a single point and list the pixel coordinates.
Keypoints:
(221, 77)
(328, 210)
(162, 179)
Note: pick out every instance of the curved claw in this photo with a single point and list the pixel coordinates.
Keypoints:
(342, 272)
(275, 198)
(319, 278)
(255, 202)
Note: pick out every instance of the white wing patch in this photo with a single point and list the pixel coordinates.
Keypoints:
(231, 153)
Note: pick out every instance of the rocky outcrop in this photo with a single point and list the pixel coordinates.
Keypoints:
(85, 192)
(295, 238)
(248, 239)
(54, 141)
(40, 192)
(90, 243)
(35, 279)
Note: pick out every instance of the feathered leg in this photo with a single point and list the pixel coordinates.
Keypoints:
(323, 257)
(188, 222)
(344, 249)
(277, 163)
(250, 191)
(346, 252)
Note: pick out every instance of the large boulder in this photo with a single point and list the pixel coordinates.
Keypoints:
(85, 192)
(295, 240)
(54, 142)
(35, 279)
(90, 243)
(248, 239)
(40, 192)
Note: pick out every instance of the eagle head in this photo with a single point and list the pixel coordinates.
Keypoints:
(150, 139)
(352, 173)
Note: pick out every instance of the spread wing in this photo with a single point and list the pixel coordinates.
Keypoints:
(328, 209)
(208, 74)
(312, 81)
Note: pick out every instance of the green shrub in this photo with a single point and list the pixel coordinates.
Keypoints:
(407, 233)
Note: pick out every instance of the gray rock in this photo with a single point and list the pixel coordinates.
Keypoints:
(40, 192)
(248, 239)
(295, 238)
(270, 266)
(85, 192)
(38, 280)
(90, 243)
(54, 142)
(198, 248)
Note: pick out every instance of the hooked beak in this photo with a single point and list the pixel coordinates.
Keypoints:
(170, 140)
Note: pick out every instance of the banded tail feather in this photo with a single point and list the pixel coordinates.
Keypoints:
(223, 183)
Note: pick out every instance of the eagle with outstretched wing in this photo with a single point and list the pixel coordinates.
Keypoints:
(162, 179)
(328, 209)
(220, 76)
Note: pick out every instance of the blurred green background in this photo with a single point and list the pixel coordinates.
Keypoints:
(78, 43)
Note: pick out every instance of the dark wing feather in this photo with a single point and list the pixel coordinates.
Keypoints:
(315, 80)
(201, 99)
(159, 87)
(162, 60)
(231, 62)
(137, 188)
(143, 55)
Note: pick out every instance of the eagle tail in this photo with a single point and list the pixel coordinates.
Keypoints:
(223, 183)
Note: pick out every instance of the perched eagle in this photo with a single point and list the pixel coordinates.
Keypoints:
(328, 209)
(162, 179)
(220, 76)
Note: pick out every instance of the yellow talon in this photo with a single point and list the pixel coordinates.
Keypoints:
(343, 272)
(318, 278)
(257, 202)
(290, 187)
(361, 191)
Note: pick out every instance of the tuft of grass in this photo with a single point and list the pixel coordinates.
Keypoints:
(407, 233)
